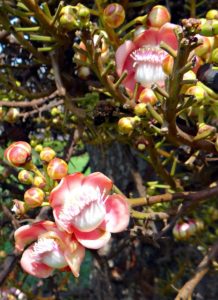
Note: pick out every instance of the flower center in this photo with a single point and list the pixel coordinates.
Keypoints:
(148, 65)
(85, 210)
(48, 251)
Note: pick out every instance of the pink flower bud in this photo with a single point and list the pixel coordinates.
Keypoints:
(39, 182)
(147, 96)
(158, 16)
(57, 168)
(184, 230)
(18, 153)
(114, 15)
(34, 197)
(47, 154)
(167, 64)
(25, 177)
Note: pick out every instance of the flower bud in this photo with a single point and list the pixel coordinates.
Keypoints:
(197, 91)
(83, 14)
(12, 115)
(184, 230)
(83, 72)
(140, 109)
(57, 168)
(47, 154)
(55, 111)
(38, 148)
(19, 207)
(167, 64)
(147, 96)
(34, 197)
(158, 16)
(68, 19)
(18, 153)
(141, 144)
(25, 177)
(39, 182)
(205, 47)
(212, 14)
(114, 15)
(214, 56)
(126, 125)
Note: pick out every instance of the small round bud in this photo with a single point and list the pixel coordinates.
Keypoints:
(212, 14)
(57, 168)
(140, 109)
(167, 64)
(184, 230)
(25, 177)
(34, 197)
(38, 148)
(158, 16)
(125, 125)
(205, 47)
(47, 154)
(68, 18)
(147, 96)
(19, 207)
(83, 72)
(18, 153)
(141, 144)
(114, 15)
(197, 91)
(39, 182)
(55, 111)
(12, 115)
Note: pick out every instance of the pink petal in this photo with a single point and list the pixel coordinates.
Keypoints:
(167, 35)
(29, 233)
(129, 82)
(98, 180)
(117, 217)
(32, 266)
(75, 258)
(62, 191)
(121, 55)
(147, 38)
(94, 239)
(67, 226)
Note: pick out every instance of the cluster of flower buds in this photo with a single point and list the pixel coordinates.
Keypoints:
(85, 212)
(74, 17)
(183, 230)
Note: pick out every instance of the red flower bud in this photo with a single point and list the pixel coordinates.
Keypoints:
(34, 197)
(57, 168)
(114, 15)
(18, 153)
(25, 177)
(158, 16)
(147, 96)
(47, 154)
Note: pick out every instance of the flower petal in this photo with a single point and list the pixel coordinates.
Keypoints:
(117, 217)
(61, 223)
(98, 180)
(29, 233)
(32, 266)
(167, 35)
(121, 55)
(62, 191)
(94, 239)
(147, 38)
(74, 258)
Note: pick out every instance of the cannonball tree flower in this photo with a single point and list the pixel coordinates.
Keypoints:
(49, 249)
(82, 205)
(142, 57)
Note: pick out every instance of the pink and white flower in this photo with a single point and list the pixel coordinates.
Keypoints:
(142, 58)
(82, 205)
(49, 249)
